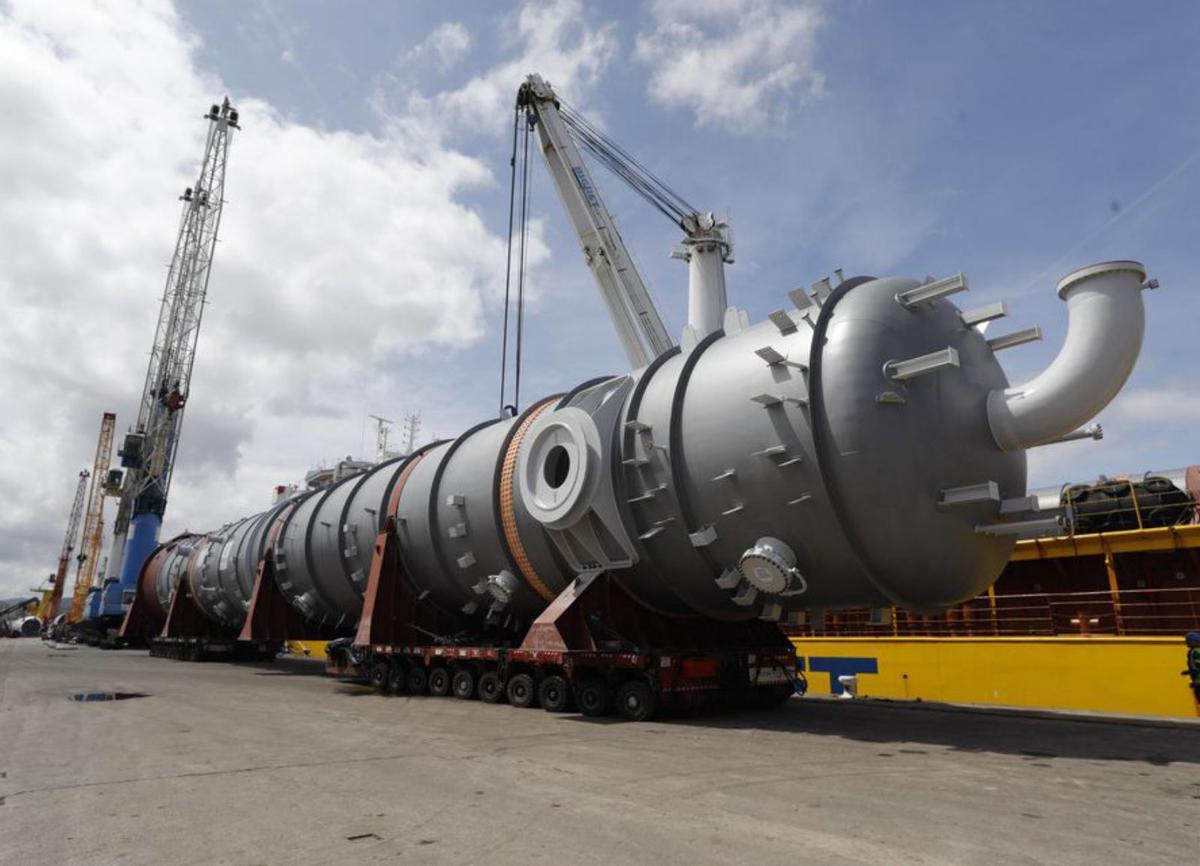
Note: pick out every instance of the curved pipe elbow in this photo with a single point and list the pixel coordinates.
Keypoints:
(1105, 322)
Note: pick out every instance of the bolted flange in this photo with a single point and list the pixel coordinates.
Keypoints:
(769, 566)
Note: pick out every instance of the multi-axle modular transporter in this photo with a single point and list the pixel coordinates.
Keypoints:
(638, 540)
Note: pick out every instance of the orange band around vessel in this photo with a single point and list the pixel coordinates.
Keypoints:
(508, 514)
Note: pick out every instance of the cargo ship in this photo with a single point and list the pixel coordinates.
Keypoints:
(1088, 618)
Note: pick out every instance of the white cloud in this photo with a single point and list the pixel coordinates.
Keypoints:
(737, 64)
(1174, 402)
(445, 46)
(553, 38)
(343, 257)
(1144, 430)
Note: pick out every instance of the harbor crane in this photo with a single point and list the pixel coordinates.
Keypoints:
(93, 523)
(149, 449)
(562, 132)
(64, 558)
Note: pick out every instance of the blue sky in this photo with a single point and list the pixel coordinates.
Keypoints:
(361, 264)
(1013, 141)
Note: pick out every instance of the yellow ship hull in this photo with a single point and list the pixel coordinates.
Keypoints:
(1128, 675)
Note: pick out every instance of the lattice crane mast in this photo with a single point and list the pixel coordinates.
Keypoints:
(64, 558)
(93, 522)
(148, 452)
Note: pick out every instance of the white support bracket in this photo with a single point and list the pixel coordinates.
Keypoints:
(978, 316)
(987, 491)
(800, 299)
(901, 371)
(729, 579)
(931, 291)
(1016, 338)
(784, 322)
(745, 596)
(1022, 528)
(768, 400)
(1019, 505)
(821, 290)
(775, 358)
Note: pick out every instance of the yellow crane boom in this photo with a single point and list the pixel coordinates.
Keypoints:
(93, 526)
(64, 558)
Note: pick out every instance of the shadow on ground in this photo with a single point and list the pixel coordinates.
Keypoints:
(287, 666)
(904, 728)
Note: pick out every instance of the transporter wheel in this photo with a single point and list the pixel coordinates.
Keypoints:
(636, 701)
(592, 697)
(397, 679)
(380, 675)
(521, 691)
(555, 694)
(439, 682)
(417, 680)
(463, 684)
(490, 689)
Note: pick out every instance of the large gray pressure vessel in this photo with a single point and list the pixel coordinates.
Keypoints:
(860, 448)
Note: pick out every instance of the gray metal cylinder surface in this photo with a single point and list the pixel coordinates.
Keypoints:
(838, 454)
(324, 547)
(161, 573)
(173, 570)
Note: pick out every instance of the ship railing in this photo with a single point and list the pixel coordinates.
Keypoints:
(1127, 612)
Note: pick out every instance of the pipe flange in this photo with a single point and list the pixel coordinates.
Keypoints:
(1080, 274)
(501, 587)
(769, 566)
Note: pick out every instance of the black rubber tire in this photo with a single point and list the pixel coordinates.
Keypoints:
(636, 701)
(490, 689)
(417, 680)
(398, 679)
(521, 691)
(592, 697)
(463, 684)
(554, 692)
(439, 682)
(378, 675)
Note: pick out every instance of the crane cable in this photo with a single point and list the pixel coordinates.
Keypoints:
(512, 188)
(626, 167)
(519, 227)
(521, 264)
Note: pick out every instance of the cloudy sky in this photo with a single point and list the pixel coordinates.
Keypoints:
(360, 268)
